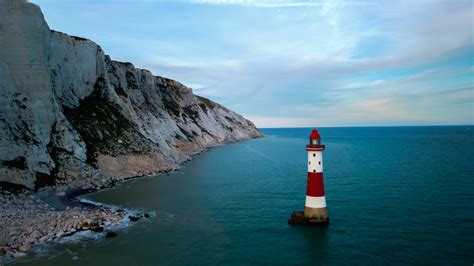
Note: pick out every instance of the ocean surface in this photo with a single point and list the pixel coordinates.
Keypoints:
(396, 195)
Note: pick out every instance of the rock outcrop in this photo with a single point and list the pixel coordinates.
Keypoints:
(71, 116)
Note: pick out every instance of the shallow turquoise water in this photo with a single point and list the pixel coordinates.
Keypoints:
(396, 195)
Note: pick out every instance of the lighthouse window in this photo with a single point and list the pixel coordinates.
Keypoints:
(314, 154)
(319, 162)
(314, 171)
(309, 162)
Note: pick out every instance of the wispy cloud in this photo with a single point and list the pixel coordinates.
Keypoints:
(298, 63)
(272, 3)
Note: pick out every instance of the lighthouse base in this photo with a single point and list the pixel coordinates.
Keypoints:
(298, 218)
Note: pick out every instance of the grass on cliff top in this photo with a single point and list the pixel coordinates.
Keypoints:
(206, 101)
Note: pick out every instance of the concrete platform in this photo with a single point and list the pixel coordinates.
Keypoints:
(298, 218)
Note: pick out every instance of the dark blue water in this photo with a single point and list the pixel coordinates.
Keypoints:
(396, 195)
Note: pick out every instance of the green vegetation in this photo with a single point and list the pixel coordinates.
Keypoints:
(131, 80)
(104, 129)
(120, 91)
(190, 112)
(210, 104)
(171, 106)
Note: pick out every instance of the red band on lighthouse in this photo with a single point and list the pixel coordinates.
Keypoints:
(315, 185)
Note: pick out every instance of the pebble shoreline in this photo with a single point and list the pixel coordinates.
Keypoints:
(29, 218)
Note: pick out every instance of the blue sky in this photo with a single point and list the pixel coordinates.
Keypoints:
(296, 63)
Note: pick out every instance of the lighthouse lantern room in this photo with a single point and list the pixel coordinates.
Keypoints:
(315, 210)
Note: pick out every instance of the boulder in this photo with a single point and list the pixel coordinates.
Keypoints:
(97, 228)
(85, 226)
(25, 247)
(19, 254)
(110, 234)
(133, 218)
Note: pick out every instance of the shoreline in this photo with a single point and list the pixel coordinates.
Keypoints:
(29, 218)
(33, 217)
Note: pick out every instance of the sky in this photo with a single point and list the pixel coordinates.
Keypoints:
(296, 63)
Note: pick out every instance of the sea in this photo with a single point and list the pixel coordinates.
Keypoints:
(395, 195)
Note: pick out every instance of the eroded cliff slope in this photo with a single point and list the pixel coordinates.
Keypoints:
(71, 116)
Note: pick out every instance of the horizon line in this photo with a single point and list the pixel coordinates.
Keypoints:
(441, 125)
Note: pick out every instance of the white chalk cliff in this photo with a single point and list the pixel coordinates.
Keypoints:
(71, 116)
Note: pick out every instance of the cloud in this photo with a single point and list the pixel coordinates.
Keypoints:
(272, 122)
(326, 5)
(299, 63)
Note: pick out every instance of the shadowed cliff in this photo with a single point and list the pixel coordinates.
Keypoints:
(70, 116)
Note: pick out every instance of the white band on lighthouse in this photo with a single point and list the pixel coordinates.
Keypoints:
(315, 202)
(315, 161)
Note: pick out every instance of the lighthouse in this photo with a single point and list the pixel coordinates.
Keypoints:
(315, 209)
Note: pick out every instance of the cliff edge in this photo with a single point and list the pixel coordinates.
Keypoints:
(72, 117)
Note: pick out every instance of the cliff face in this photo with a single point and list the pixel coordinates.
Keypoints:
(71, 116)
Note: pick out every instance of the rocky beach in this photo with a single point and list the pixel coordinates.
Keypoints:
(33, 218)
(52, 213)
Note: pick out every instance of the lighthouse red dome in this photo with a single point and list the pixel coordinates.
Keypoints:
(314, 134)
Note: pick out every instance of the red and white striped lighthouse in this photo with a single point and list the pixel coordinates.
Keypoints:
(315, 206)
(315, 209)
